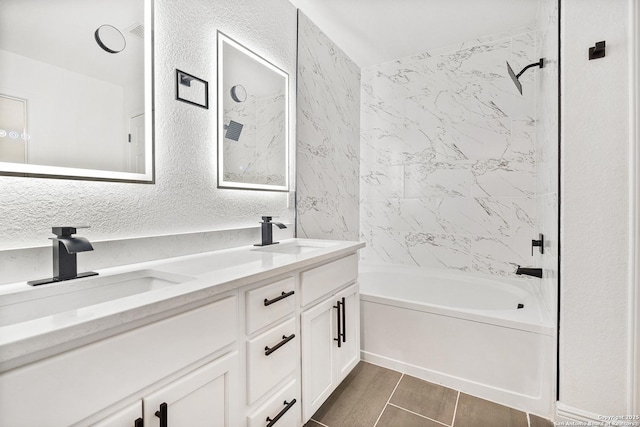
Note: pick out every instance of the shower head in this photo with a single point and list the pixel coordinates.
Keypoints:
(233, 130)
(515, 77)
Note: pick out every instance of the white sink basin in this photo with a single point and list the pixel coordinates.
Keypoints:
(295, 248)
(54, 298)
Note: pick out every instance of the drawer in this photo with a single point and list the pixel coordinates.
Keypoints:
(323, 280)
(265, 371)
(270, 303)
(290, 411)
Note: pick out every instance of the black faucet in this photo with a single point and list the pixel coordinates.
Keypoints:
(535, 272)
(267, 231)
(65, 248)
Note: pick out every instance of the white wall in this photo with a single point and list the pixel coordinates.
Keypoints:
(328, 137)
(184, 197)
(595, 206)
(67, 132)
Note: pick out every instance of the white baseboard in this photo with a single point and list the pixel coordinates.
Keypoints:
(569, 413)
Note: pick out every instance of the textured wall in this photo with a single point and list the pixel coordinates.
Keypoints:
(184, 198)
(328, 137)
(448, 158)
(595, 207)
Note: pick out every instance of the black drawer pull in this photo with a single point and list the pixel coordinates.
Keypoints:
(138, 423)
(287, 406)
(285, 339)
(276, 299)
(338, 317)
(162, 414)
(344, 320)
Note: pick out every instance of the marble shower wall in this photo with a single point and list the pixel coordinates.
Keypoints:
(258, 156)
(328, 137)
(448, 158)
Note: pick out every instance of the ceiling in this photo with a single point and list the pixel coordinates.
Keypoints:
(375, 31)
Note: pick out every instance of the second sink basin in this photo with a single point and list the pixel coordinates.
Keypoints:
(34, 303)
(295, 248)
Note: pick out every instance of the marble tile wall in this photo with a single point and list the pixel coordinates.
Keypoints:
(448, 157)
(328, 137)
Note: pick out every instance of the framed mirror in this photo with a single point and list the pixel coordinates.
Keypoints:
(253, 120)
(76, 89)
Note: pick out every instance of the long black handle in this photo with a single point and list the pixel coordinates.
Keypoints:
(162, 414)
(285, 339)
(287, 406)
(344, 320)
(138, 423)
(278, 298)
(339, 339)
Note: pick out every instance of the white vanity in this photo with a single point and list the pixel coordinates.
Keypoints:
(241, 337)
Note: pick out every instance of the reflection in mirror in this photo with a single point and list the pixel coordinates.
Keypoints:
(253, 143)
(76, 89)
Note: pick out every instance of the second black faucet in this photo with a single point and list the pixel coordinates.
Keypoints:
(267, 231)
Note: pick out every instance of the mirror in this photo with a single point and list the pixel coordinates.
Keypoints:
(76, 89)
(253, 120)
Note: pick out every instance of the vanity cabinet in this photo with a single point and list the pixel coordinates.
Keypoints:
(330, 330)
(130, 416)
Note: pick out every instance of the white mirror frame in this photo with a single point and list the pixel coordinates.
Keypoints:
(43, 171)
(222, 39)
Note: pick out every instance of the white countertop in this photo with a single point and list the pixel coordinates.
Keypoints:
(213, 273)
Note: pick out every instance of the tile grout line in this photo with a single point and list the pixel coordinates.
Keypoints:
(455, 409)
(388, 400)
(528, 420)
(415, 413)
(318, 422)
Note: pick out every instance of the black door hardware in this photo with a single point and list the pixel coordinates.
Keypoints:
(597, 51)
(162, 414)
(287, 406)
(338, 317)
(138, 423)
(278, 298)
(285, 339)
(344, 320)
(538, 243)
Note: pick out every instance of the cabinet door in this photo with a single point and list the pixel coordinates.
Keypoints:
(318, 362)
(131, 416)
(205, 397)
(348, 355)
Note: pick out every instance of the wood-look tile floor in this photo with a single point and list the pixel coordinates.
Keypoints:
(372, 396)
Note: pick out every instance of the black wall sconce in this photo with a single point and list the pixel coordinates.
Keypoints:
(597, 51)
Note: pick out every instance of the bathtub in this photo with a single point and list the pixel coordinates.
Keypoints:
(492, 338)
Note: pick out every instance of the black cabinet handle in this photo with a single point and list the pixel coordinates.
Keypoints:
(285, 339)
(339, 339)
(276, 299)
(138, 423)
(162, 414)
(344, 320)
(287, 406)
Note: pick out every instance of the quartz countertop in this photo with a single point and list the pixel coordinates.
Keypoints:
(212, 273)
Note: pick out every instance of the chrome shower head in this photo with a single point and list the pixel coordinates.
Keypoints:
(515, 77)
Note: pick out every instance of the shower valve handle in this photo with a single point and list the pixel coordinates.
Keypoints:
(539, 243)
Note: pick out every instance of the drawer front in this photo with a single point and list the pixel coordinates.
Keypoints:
(265, 371)
(323, 280)
(270, 303)
(289, 412)
(98, 375)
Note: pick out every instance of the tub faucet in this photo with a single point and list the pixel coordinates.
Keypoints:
(535, 272)
(267, 231)
(65, 248)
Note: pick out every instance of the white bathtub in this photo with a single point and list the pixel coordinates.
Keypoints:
(463, 331)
